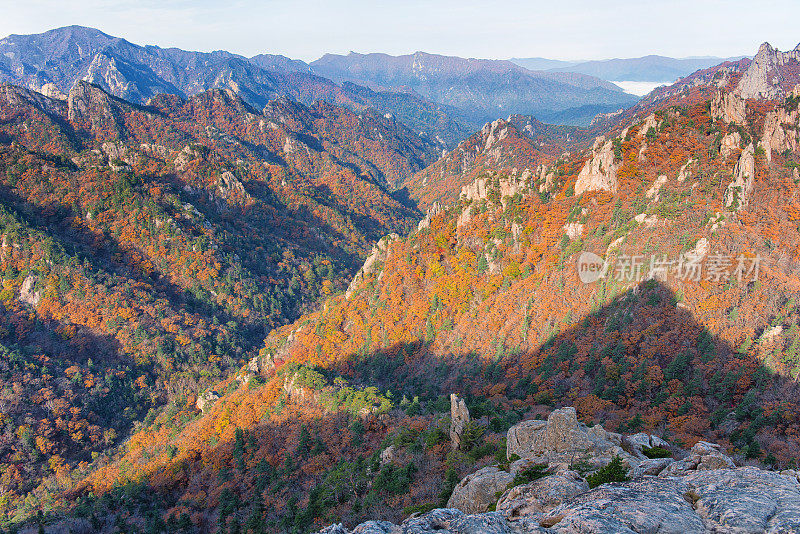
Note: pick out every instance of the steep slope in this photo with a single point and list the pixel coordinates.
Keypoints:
(685, 324)
(772, 73)
(482, 89)
(57, 59)
(146, 251)
(520, 146)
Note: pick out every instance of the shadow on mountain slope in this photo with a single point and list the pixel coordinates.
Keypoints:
(303, 444)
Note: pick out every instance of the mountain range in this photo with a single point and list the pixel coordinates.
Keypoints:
(137, 73)
(236, 299)
(441, 96)
(484, 89)
(650, 68)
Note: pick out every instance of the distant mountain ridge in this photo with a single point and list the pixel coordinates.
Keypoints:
(58, 58)
(650, 68)
(443, 97)
(483, 89)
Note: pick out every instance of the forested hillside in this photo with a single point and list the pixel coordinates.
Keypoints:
(147, 251)
(691, 334)
(163, 262)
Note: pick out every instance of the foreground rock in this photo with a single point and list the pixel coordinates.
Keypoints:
(478, 491)
(702, 492)
(563, 439)
(745, 500)
(541, 496)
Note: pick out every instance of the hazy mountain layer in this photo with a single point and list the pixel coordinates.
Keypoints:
(482, 89)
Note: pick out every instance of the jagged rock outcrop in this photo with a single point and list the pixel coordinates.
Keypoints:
(547, 177)
(230, 190)
(119, 156)
(185, 156)
(504, 187)
(737, 194)
(248, 372)
(206, 399)
(650, 221)
(642, 440)
(88, 103)
(433, 211)
(599, 173)
(649, 123)
(729, 144)
(782, 129)
(651, 466)
(459, 418)
(491, 188)
(728, 107)
(767, 75)
(387, 455)
(465, 217)
(27, 294)
(478, 491)
(655, 189)
(296, 391)
(703, 457)
(495, 131)
(684, 172)
(702, 493)
(52, 91)
(573, 230)
(605, 119)
(373, 262)
(563, 439)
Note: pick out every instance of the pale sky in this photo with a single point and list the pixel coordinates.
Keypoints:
(306, 29)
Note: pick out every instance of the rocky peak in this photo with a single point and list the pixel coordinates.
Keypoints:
(599, 173)
(225, 97)
(459, 418)
(494, 131)
(88, 103)
(769, 76)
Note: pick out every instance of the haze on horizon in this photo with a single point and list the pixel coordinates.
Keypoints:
(307, 29)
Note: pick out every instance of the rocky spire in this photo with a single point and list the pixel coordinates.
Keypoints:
(765, 77)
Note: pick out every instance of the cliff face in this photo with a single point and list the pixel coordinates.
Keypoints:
(772, 73)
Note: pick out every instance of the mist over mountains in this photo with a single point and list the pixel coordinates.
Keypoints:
(651, 68)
